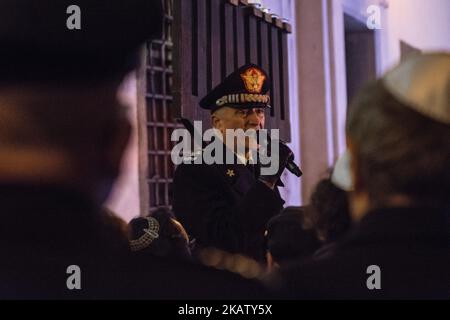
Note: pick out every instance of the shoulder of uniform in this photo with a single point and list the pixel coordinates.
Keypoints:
(192, 156)
(189, 166)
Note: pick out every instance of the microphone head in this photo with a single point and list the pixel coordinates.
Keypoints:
(294, 169)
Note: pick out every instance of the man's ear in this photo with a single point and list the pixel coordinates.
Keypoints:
(354, 166)
(270, 262)
(359, 199)
(272, 265)
(215, 121)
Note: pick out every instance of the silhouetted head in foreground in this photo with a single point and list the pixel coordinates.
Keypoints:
(398, 133)
(328, 213)
(61, 122)
(286, 238)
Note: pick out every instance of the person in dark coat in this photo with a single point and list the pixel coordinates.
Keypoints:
(62, 136)
(398, 131)
(228, 205)
(288, 239)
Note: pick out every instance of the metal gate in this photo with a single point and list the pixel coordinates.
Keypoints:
(203, 41)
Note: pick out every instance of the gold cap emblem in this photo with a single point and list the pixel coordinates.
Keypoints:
(253, 80)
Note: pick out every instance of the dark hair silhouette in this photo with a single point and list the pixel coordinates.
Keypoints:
(287, 239)
(328, 212)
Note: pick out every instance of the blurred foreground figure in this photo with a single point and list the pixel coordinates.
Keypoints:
(62, 135)
(398, 134)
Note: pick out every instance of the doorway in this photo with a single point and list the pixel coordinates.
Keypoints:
(359, 54)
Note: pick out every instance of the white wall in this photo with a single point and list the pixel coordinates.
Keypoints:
(291, 193)
(423, 24)
(124, 199)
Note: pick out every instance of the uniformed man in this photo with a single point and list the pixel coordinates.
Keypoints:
(228, 205)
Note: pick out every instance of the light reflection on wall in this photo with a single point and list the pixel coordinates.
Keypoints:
(124, 198)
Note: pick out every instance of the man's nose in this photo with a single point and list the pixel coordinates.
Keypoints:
(253, 119)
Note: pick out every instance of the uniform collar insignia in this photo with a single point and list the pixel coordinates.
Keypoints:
(230, 173)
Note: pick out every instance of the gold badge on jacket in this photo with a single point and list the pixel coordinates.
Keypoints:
(253, 80)
(230, 173)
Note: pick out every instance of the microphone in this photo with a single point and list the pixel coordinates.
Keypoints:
(290, 165)
(293, 168)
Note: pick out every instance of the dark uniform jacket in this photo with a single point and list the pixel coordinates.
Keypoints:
(409, 245)
(225, 206)
(44, 230)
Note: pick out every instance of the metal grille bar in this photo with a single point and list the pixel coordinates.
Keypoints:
(160, 120)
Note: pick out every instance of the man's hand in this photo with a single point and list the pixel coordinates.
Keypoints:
(285, 154)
